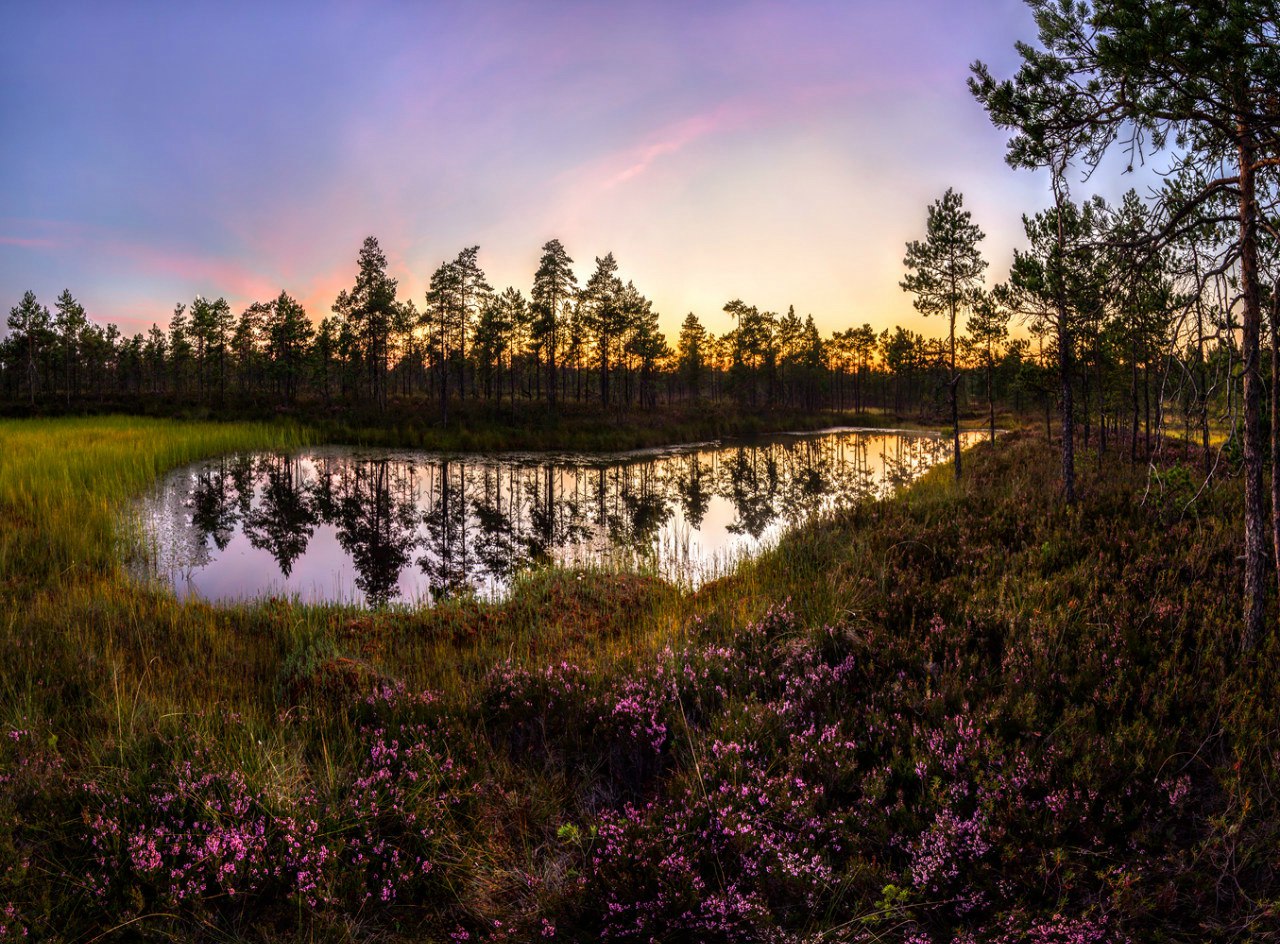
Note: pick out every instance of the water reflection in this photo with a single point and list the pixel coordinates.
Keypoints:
(378, 527)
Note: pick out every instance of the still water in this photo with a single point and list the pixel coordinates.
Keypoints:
(378, 526)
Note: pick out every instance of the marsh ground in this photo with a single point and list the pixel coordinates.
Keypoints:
(966, 713)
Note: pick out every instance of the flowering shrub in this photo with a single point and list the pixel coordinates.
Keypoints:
(31, 776)
(564, 717)
(397, 815)
(198, 838)
(1014, 730)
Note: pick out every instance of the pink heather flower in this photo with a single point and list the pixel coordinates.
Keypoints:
(1178, 789)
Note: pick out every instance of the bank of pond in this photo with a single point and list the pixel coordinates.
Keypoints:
(971, 714)
(381, 527)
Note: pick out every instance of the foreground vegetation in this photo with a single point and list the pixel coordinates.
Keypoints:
(958, 715)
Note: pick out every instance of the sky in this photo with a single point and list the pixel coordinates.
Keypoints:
(778, 152)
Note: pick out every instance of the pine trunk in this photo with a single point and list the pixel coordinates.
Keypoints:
(1255, 557)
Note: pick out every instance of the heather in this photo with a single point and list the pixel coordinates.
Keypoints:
(969, 713)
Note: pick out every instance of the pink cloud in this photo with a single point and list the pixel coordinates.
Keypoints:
(673, 139)
(146, 258)
(224, 276)
(30, 242)
(792, 104)
(204, 271)
(317, 298)
(29, 233)
(134, 316)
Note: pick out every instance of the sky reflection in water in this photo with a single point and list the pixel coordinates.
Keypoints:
(377, 526)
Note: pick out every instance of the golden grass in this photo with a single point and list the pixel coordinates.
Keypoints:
(63, 481)
(104, 660)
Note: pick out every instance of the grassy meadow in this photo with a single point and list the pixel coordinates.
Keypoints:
(965, 714)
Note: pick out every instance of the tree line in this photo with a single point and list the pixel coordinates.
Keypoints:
(1159, 313)
(597, 342)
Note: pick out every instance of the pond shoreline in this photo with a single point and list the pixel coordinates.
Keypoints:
(607, 455)
(384, 526)
(576, 429)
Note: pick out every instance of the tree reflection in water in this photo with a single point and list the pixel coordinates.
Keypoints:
(444, 534)
(694, 491)
(214, 504)
(284, 518)
(426, 528)
(378, 524)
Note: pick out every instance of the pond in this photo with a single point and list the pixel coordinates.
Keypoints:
(375, 527)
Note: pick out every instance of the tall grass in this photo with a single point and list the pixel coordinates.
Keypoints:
(63, 482)
(81, 645)
(1120, 756)
(90, 646)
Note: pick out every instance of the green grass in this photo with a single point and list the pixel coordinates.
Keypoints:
(1098, 640)
(63, 483)
(88, 646)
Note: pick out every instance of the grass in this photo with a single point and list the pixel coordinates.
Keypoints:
(63, 482)
(979, 712)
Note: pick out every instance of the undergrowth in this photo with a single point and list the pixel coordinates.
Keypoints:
(966, 714)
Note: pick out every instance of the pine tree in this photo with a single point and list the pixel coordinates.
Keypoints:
(437, 316)
(603, 316)
(1197, 81)
(211, 327)
(155, 354)
(554, 286)
(988, 327)
(471, 291)
(324, 353)
(370, 307)
(691, 354)
(644, 341)
(248, 342)
(69, 322)
(29, 324)
(288, 333)
(493, 336)
(947, 272)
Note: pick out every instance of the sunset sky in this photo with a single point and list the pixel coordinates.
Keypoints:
(780, 152)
